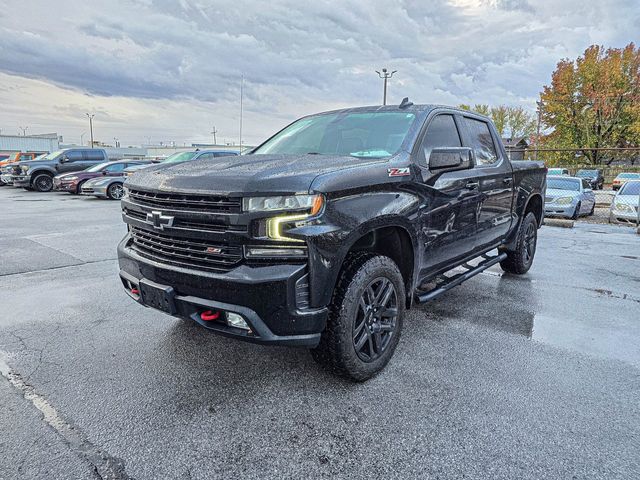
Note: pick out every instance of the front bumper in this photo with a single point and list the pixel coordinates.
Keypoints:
(7, 179)
(624, 215)
(265, 296)
(65, 186)
(556, 210)
(96, 191)
(21, 180)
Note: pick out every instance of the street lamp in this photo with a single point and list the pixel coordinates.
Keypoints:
(385, 75)
(90, 117)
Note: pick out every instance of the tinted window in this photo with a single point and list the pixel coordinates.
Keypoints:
(94, 155)
(206, 156)
(74, 155)
(442, 132)
(585, 183)
(481, 141)
(116, 167)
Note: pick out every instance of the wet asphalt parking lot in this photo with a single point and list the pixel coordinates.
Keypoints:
(503, 377)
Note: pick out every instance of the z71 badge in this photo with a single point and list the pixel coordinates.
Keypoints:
(399, 172)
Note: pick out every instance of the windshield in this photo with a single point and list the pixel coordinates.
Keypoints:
(630, 188)
(586, 173)
(179, 157)
(97, 168)
(555, 171)
(365, 134)
(564, 184)
(53, 155)
(629, 175)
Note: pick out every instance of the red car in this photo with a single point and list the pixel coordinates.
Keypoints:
(72, 182)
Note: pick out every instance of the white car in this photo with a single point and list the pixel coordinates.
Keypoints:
(626, 204)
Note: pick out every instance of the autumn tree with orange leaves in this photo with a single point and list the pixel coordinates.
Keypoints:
(594, 102)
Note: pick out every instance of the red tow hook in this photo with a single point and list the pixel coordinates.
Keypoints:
(135, 291)
(209, 315)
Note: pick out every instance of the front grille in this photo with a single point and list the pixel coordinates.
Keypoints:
(187, 224)
(185, 252)
(187, 202)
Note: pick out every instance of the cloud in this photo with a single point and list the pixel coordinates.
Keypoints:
(295, 56)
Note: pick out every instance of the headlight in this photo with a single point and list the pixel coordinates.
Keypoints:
(70, 178)
(24, 168)
(302, 207)
(291, 202)
(623, 207)
(564, 200)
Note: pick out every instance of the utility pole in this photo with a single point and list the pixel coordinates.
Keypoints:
(24, 131)
(91, 126)
(535, 153)
(385, 75)
(115, 142)
(82, 138)
(241, 98)
(213, 132)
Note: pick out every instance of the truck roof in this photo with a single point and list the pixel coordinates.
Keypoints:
(413, 108)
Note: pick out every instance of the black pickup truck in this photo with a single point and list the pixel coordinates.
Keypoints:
(327, 232)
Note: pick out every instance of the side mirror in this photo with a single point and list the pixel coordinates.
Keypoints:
(104, 172)
(451, 159)
(64, 159)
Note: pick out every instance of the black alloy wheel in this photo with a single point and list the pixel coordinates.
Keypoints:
(376, 319)
(530, 238)
(43, 183)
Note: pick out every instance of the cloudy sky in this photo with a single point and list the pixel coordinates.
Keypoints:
(168, 70)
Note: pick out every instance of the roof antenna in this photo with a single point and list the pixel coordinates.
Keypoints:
(405, 103)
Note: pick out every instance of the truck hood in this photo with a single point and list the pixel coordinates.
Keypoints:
(237, 175)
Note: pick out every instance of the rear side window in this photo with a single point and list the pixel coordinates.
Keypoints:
(481, 141)
(94, 155)
(585, 184)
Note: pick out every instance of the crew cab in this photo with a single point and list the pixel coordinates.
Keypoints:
(325, 234)
(38, 174)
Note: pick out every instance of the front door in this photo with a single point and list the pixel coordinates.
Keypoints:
(448, 219)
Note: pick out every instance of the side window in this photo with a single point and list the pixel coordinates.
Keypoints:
(74, 155)
(116, 167)
(94, 155)
(585, 184)
(206, 156)
(481, 141)
(442, 133)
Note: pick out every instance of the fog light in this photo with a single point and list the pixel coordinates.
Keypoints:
(235, 320)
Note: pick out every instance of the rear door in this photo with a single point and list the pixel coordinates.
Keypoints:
(75, 161)
(94, 156)
(448, 218)
(495, 182)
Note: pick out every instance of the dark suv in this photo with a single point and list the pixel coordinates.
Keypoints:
(38, 174)
(594, 177)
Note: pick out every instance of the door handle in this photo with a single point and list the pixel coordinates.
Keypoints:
(507, 180)
(472, 185)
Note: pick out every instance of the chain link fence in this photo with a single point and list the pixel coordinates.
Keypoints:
(577, 188)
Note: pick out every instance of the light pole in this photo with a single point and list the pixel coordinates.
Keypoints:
(82, 138)
(385, 75)
(241, 99)
(213, 132)
(90, 117)
(115, 142)
(24, 131)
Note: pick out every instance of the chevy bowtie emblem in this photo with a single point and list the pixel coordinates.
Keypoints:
(158, 220)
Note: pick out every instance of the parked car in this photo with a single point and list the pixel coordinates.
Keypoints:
(105, 187)
(557, 171)
(594, 177)
(625, 205)
(16, 157)
(568, 197)
(622, 178)
(72, 182)
(327, 232)
(181, 157)
(38, 174)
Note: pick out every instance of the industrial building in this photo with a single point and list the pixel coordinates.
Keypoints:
(45, 143)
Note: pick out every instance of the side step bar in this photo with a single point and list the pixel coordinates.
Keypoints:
(456, 280)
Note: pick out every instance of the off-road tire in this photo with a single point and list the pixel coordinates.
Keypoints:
(520, 259)
(42, 182)
(336, 350)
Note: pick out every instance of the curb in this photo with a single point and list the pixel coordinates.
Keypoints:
(558, 222)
